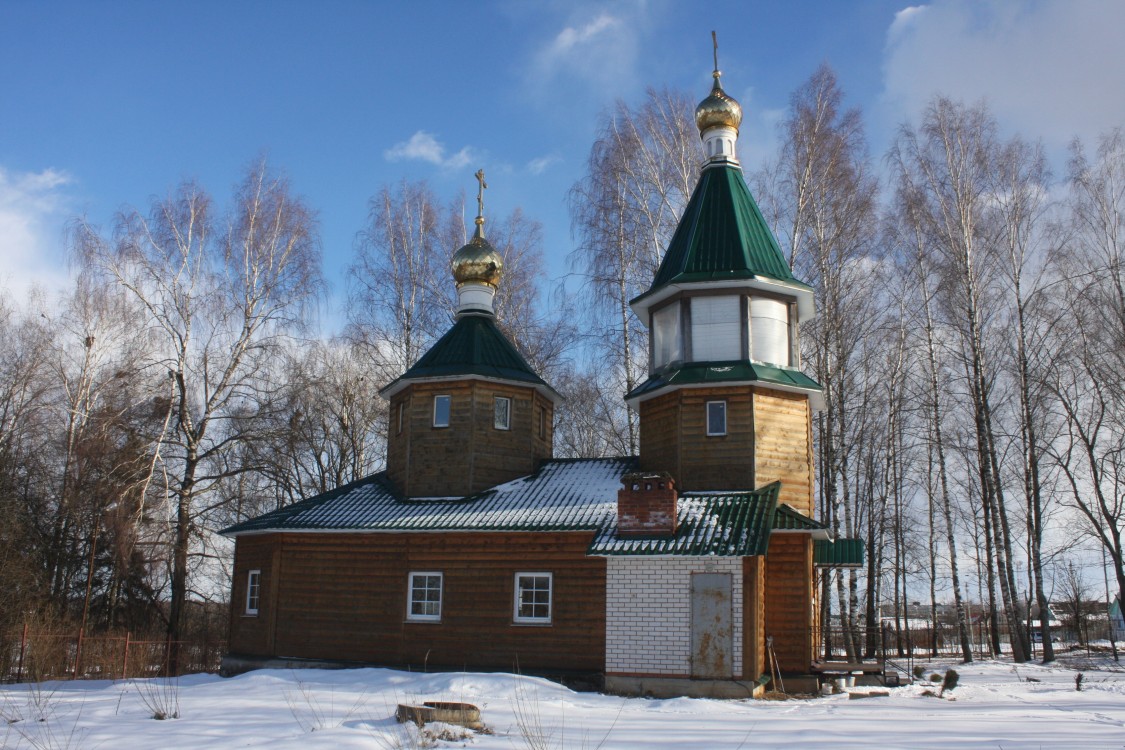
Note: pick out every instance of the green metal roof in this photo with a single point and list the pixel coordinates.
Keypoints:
(722, 236)
(735, 371)
(563, 495)
(727, 525)
(786, 518)
(841, 553)
(473, 346)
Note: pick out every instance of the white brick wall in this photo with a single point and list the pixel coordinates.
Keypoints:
(648, 613)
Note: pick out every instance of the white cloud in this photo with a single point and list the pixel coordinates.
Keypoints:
(598, 51)
(33, 207)
(570, 38)
(422, 146)
(1049, 70)
(541, 164)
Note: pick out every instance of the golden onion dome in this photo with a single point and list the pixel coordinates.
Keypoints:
(718, 109)
(477, 261)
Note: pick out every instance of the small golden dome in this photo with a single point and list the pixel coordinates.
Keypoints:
(477, 261)
(718, 109)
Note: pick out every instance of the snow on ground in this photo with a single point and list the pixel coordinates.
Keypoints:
(995, 705)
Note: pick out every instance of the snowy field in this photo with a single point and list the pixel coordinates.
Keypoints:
(995, 705)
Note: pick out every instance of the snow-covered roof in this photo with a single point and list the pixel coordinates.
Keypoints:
(728, 525)
(564, 495)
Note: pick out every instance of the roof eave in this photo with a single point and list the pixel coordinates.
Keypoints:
(806, 306)
(823, 534)
(400, 384)
(816, 397)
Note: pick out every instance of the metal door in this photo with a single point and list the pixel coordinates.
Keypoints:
(711, 632)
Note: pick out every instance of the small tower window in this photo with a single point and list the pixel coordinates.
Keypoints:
(716, 417)
(769, 331)
(502, 413)
(542, 423)
(666, 339)
(441, 411)
(716, 329)
(401, 416)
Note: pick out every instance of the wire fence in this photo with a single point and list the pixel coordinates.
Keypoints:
(916, 638)
(32, 656)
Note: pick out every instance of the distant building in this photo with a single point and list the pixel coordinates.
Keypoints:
(669, 573)
(1117, 619)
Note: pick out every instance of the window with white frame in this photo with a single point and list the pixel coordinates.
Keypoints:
(441, 411)
(253, 591)
(533, 598)
(716, 417)
(424, 600)
(401, 416)
(769, 331)
(716, 329)
(502, 413)
(667, 343)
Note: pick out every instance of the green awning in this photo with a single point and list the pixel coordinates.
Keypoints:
(841, 553)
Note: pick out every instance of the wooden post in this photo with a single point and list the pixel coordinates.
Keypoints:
(77, 656)
(23, 650)
(125, 659)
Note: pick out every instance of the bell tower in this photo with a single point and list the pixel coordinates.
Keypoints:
(470, 413)
(725, 405)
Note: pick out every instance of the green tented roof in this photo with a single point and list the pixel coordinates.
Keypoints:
(841, 553)
(739, 371)
(727, 525)
(722, 236)
(473, 346)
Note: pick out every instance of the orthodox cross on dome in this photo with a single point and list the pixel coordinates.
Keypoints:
(715, 44)
(482, 186)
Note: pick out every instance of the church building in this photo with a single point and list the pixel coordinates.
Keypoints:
(686, 570)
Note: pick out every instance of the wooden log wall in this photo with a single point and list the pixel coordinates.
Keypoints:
(471, 454)
(783, 446)
(754, 626)
(789, 601)
(674, 439)
(344, 596)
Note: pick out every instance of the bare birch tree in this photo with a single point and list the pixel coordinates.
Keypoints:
(826, 192)
(223, 296)
(949, 163)
(639, 175)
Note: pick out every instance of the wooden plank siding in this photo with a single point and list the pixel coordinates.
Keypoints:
(344, 596)
(674, 439)
(769, 438)
(470, 454)
(255, 631)
(754, 626)
(789, 613)
(783, 446)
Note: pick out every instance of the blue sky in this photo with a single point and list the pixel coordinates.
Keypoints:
(107, 104)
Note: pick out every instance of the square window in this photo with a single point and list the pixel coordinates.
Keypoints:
(253, 591)
(424, 602)
(716, 329)
(502, 413)
(441, 411)
(716, 417)
(533, 598)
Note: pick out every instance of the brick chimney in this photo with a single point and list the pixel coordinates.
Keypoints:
(646, 505)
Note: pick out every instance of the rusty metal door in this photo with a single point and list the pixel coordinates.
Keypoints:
(712, 637)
